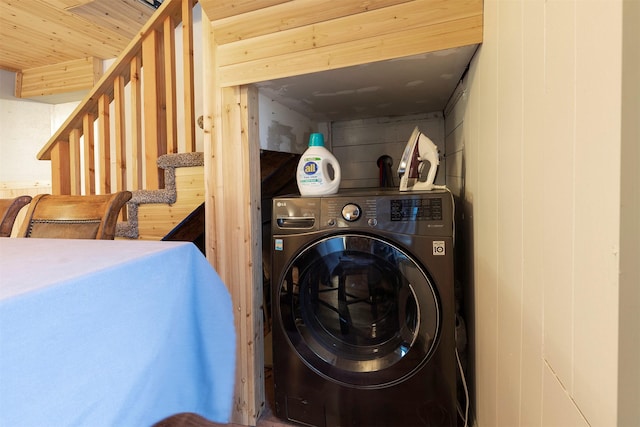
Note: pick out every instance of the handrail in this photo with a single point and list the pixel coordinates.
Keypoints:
(148, 67)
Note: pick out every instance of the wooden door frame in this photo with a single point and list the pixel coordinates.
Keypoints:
(233, 227)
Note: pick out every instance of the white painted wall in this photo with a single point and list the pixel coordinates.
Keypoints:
(282, 129)
(357, 145)
(553, 228)
(629, 276)
(25, 126)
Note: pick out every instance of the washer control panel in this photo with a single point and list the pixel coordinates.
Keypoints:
(422, 213)
(425, 213)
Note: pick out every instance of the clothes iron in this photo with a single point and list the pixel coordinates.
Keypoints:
(419, 153)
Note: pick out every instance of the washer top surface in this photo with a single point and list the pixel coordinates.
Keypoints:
(372, 192)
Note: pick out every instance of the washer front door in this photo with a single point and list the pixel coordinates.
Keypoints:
(359, 310)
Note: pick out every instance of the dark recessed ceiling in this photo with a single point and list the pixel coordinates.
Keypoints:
(416, 84)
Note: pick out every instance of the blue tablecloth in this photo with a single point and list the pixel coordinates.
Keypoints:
(111, 333)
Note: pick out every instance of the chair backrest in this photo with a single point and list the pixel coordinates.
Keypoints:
(9, 209)
(74, 217)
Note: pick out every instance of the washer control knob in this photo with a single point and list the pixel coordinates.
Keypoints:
(351, 212)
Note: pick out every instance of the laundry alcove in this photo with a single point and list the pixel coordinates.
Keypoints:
(278, 53)
(365, 112)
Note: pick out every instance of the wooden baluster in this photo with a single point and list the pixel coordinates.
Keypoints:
(104, 144)
(60, 168)
(155, 129)
(119, 133)
(136, 123)
(89, 154)
(170, 83)
(76, 162)
(188, 89)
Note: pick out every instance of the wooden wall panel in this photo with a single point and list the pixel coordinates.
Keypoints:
(384, 47)
(224, 9)
(352, 27)
(233, 235)
(358, 37)
(237, 245)
(12, 189)
(156, 220)
(289, 15)
(69, 76)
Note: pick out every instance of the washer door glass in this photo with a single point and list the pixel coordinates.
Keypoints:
(359, 311)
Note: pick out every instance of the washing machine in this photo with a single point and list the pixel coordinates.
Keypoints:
(363, 309)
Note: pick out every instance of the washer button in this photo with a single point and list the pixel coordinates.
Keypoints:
(351, 212)
(331, 222)
(372, 222)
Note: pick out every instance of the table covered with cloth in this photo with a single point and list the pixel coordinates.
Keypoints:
(112, 333)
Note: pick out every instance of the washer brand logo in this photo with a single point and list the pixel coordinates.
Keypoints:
(281, 204)
(438, 247)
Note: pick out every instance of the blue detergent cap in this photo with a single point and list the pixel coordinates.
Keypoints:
(316, 140)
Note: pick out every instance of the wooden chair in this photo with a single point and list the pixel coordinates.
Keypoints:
(9, 209)
(74, 217)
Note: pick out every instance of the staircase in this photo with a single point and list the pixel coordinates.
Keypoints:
(125, 134)
(151, 214)
(177, 211)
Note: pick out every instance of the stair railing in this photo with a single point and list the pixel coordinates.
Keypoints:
(129, 118)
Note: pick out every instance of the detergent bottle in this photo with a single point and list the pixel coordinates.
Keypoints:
(314, 176)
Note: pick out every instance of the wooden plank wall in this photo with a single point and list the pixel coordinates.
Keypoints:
(304, 36)
(156, 220)
(70, 76)
(256, 40)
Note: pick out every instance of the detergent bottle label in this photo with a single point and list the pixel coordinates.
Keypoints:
(311, 170)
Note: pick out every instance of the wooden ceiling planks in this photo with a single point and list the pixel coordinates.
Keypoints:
(35, 33)
(125, 17)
